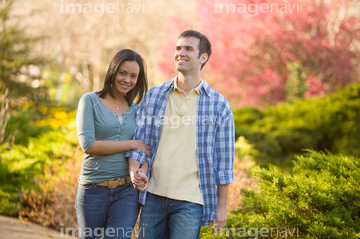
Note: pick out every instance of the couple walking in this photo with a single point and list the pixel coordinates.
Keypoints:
(135, 156)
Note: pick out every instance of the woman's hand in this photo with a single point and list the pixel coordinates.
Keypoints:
(140, 145)
(140, 180)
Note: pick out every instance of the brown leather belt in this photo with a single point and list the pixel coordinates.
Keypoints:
(113, 183)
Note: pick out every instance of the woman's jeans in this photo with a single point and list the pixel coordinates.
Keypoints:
(104, 212)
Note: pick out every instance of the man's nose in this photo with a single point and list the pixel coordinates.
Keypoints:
(181, 52)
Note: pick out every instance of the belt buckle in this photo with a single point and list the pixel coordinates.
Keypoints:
(110, 186)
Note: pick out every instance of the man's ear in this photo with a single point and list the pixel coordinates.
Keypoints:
(203, 58)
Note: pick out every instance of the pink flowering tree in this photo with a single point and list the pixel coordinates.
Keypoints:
(266, 52)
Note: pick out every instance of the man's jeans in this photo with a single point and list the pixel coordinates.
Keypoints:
(106, 212)
(165, 218)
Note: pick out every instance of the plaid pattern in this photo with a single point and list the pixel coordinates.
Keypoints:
(215, 139)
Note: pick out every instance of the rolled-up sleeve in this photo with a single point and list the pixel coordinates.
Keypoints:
(85, 122)
(224, 150)
(139, 133)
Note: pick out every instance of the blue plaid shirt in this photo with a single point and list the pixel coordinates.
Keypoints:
(214, 136)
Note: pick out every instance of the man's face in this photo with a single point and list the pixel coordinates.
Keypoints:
(186, 55)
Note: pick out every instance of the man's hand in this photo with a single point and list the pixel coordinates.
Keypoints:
(221, 210)
(220, 220)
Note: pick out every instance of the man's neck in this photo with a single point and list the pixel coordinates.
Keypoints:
(187, 82)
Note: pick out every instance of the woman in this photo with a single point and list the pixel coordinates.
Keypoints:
(107, 203)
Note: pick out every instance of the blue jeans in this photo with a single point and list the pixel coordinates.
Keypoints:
(106, 212)
(165, 218)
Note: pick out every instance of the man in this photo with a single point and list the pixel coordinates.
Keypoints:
(190, 129)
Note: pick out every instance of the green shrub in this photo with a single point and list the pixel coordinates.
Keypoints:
(318, 198)
(244, 150)
(53, 204)
(9, 202)
(19, 164)
(330, 123)
(22, 127)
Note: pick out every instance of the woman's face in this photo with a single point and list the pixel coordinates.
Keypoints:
(126, 77)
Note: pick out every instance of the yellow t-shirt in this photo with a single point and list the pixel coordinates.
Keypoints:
(175, 168)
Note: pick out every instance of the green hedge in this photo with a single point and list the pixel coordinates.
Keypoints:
(318, 198)
(278, 133)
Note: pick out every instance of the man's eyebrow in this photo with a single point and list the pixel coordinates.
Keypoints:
(184, 46)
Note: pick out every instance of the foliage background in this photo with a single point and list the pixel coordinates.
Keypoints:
(292, 79)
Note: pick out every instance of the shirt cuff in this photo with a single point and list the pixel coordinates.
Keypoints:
(224, 177)
(137, 155)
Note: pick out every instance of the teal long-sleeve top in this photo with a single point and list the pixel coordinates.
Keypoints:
(94, 122)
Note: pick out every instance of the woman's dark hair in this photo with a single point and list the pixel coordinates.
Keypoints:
(141, 85)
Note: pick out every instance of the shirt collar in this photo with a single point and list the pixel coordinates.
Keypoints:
(203, 87)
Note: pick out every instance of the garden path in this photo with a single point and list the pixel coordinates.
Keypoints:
(13, 228)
